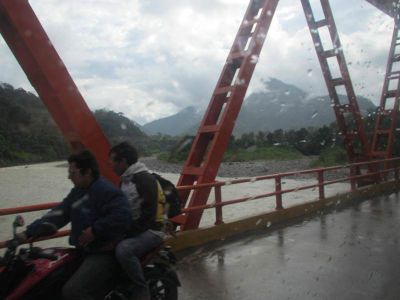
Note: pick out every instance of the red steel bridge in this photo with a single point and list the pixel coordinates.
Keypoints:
(44, 68)
(350, 254)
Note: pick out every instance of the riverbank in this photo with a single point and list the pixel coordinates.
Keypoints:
(247, 168)
(238, 169)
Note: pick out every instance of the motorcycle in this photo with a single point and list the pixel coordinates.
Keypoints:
(34, 273)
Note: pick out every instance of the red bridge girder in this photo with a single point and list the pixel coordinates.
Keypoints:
(47, 73)
(45, 70)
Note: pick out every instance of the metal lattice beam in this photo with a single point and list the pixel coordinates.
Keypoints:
(47, 73)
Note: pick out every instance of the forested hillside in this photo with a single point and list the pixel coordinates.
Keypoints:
(28, 133)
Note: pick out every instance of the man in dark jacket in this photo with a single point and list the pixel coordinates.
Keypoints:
(146, 199)
(100, 216)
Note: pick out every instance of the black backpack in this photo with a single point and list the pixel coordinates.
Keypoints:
(171, 194)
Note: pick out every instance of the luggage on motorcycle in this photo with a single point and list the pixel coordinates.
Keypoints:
(172, 199)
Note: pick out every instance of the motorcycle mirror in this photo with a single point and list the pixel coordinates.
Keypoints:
(19, 221)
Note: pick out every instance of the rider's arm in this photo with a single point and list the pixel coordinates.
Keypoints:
(59, 215)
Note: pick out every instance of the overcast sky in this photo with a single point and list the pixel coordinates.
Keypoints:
(151, 58)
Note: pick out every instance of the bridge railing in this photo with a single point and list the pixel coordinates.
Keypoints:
(359, 174)
(378, 171)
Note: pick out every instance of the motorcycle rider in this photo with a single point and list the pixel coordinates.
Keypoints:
(145, 197)
(99, 214)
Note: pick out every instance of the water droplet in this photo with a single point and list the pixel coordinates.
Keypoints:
(175, 84)
(240, 81)
(254, 59)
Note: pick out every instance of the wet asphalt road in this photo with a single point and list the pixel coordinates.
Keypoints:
(351, 253)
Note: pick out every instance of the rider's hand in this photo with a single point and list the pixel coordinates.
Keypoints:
(86, 237)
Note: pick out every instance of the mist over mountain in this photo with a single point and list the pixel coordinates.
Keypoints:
(177, 124)
(280, 106)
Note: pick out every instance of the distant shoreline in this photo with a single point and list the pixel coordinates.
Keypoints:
(238, 169)
(227, 169)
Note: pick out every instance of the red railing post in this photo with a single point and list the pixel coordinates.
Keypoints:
(218, 208)
(278, 190)
(321, 187)
(352, 180)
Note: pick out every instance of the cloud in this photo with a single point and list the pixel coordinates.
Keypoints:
(150, 59)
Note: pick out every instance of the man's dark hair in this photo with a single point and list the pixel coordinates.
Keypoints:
(125, 151)
(84, 161)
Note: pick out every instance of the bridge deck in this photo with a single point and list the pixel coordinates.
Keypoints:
(350, 253)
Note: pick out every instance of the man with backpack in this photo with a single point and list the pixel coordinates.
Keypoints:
(146, 200)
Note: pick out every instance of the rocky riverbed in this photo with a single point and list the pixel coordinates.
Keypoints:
(246, 169)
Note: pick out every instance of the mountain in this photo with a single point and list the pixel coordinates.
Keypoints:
(280, 106)
(176, 124)
(286, 107)
(29, 134)
(118, 128)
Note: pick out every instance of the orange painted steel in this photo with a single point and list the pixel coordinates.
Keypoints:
(23, 209)
(47, 73)
(278, 192)
(388, 110)
(347, 112)
(217, 125)
(59, 234)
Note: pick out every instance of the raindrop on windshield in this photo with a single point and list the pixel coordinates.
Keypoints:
(254, 59)
(314, 115)
(239, 81)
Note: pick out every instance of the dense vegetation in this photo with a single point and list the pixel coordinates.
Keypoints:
(28, 134)
(279, 144)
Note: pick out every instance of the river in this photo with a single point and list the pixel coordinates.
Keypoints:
(48, 182)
